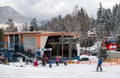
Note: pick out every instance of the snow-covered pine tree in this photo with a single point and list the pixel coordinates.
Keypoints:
(104, 22)
(100, 21)
(61, 26)
(33, 25)
(116, 18)
(108, 23)
(118, 42)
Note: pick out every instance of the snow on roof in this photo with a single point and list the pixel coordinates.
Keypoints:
(94, 47)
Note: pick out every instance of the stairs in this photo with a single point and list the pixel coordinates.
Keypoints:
(26, 54)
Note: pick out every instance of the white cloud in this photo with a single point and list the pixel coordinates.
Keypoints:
(45, 9)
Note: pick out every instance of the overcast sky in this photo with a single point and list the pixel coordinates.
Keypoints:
(46, 9)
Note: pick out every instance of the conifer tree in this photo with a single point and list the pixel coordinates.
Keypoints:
(103, 53)
(118, 42)
(104, 22)
(33, 25)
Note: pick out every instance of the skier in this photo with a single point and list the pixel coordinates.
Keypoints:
(57, 60)
(50, 63)
(99, 64)
(64, 61)
(43, 62)
(35, 62)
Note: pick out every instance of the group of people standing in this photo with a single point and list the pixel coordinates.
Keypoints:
(57, 60)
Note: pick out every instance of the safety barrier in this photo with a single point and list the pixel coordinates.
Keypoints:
(78, 62)
(106, 62)
(112, 62)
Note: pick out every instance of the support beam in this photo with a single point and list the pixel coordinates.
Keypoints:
(70, 51)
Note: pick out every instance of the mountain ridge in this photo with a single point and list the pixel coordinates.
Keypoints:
(7, 12)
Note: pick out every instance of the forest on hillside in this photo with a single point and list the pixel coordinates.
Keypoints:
(107, 22)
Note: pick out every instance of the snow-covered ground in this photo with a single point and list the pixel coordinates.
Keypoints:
(61, 71)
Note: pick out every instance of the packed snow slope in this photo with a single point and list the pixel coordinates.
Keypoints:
(61, 71)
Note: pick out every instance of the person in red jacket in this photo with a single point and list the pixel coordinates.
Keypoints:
(35, 62)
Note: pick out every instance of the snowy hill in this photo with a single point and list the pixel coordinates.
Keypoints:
(8, 12)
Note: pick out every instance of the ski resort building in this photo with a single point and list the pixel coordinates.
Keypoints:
(41, 41)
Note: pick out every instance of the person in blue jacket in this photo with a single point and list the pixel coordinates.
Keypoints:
(50, 63)
(99, 64)
(64, 61)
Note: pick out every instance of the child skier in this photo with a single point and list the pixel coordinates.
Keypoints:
(50, 63)
(43, 62)
(57, 60)
(64, 61)
(35, 62)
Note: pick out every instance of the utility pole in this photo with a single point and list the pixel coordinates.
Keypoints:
(70, 49)
(58, 45)
(62, 43)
